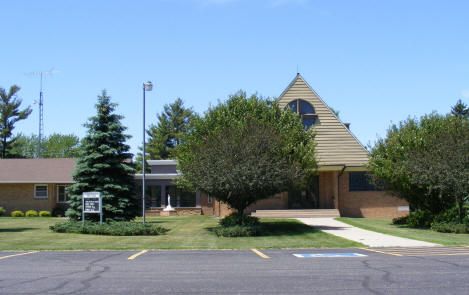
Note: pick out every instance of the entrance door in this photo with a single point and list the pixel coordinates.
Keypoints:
(305, 198)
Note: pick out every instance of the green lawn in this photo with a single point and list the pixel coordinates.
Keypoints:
(386, 227)
(186, 232)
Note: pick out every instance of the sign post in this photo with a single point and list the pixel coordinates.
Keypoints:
(91, 202)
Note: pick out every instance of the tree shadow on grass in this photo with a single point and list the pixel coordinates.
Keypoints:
(286, 228)
(16, 230)
(280, 228)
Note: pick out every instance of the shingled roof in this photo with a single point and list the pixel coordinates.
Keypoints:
(36, 170)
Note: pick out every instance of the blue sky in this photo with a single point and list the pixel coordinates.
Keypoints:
(376, 62)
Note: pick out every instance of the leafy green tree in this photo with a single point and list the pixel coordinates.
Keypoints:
(424, 161)
(53, 146)
(442, 165)
(460, 109)
(245, 150)
(103, 166)
(60, 146)
(10, 114)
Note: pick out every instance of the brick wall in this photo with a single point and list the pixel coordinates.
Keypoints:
(369, 204)
(20, 196)
(327, 189)
(206, 206)
(278, 201)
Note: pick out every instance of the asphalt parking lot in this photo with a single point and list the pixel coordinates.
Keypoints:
(436, 270)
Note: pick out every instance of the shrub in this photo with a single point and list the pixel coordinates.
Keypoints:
(2, 211)
(59, 210)
(238, 231)
(451, 216)
(31, 213)
(400, 220)
(450, 227)
(44, 213)
(232, 220)
(17, 214)
(111, 228)
(422, 219)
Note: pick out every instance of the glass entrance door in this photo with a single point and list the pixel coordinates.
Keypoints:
(305, 198)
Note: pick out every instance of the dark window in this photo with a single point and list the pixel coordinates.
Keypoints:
(152, 195)
(293, 106)
(179, 197)
(361, 181)
(305, 110)
(308, 122)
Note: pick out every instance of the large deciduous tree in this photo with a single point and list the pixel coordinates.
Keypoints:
(245, 150)
(103, 166)
(425, 162)
(53, 146)
(10, 114)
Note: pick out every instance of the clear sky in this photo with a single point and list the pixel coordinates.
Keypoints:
(376, 62)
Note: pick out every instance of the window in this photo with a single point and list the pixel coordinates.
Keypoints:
(180, 197)
(361, 181)
(62, 195)
(209, 199)
(40, 191)
(305, 110)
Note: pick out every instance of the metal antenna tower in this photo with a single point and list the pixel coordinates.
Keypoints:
(41, 109)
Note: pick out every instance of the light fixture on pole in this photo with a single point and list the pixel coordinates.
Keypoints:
(147, 86)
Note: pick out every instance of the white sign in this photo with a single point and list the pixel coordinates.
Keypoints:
(402, 208)
(91, 202)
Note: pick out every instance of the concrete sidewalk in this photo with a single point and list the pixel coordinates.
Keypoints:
(367, 237)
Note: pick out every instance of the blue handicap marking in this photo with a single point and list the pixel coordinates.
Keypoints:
(329, 255)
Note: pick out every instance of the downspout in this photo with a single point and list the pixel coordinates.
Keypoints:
(338, 186)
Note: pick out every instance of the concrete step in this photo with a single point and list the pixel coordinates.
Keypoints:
(297, 213)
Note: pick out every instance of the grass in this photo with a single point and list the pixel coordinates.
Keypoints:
(186, 232)
(385, 226)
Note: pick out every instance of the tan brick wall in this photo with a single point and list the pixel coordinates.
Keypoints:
(19, 196)
(207, 208)
(222, 209)
(369, 204)
(327, 189)
(278, 201)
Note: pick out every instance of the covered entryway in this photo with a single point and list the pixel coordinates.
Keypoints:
(305, 198)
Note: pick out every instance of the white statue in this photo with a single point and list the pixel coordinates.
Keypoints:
(168, 207)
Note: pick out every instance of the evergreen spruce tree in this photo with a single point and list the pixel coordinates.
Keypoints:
(173, 124)
(103, 166)
(460, 109)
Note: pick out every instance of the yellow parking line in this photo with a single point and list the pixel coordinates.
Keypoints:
(19, 254)
(382, 252)
(137, 254)
(260, 253)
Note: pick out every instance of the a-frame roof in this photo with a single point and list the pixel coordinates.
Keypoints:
(336, 145)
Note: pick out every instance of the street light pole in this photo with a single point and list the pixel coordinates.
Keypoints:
(147, 86)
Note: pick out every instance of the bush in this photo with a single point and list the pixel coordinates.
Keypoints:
(451, 216)
(111, 229)
(59, 210)
(400, 220)
(238, 231)
(17, 214)
(2, 211)
(31, 213)
(421, 219)
(44, 213)
(232, 220)
(450, 227)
